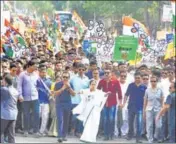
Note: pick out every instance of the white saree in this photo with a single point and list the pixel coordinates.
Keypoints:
(89, 111)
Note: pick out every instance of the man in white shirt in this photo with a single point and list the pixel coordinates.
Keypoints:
(124, 85)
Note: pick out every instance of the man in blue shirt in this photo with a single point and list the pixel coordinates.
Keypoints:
(170, 105)
(78, 82)
(27, 88)
(93, 65)
(135, 92)
(43, 86)
(63, 92)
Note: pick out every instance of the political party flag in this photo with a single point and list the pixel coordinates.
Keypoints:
(77, 19)
(8, 24)
(21, 41)
(137, 59)
(2, 42)
(170, 52)
(169, 37)
(9, 52)
(132, 27)
(173, 21)
(125, 48)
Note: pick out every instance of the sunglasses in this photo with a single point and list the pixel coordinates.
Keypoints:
(153, 81)
(4, 66)
(123, 76)
(81, 69)
(107, 72)
(65, 77)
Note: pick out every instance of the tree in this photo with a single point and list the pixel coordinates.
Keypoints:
(39, 6)
(59, 5)
(147, 12)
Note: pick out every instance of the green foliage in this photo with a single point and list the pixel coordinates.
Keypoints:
(39, 6)
(148, 12)
(59, 5)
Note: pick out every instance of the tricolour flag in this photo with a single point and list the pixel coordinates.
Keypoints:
(130, 25)
(8, 24)
(135, 28)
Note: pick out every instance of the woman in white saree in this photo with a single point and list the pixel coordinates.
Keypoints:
(89, 109)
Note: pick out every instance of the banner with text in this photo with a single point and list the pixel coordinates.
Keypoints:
(125, 48)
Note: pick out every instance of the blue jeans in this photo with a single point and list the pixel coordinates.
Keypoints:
(165, 124)
(139, 123)
(76, 124)
(63, 112)
(109, 120)
(33, 106)
(101, 122)
(172, 121)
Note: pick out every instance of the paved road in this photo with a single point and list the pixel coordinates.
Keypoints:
(31, 139)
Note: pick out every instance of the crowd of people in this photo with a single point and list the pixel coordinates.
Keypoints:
(39, 93)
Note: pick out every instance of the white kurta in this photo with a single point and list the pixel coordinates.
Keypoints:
(89, 111)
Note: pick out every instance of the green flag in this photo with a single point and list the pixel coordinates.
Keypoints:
(125, 48)
(173, 21)
(174, 40)
(9, 52)
(21, 41)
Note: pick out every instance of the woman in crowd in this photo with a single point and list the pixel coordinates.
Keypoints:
(89, 110)
(153, 101)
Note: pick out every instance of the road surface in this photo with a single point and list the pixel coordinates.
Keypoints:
(31, 139)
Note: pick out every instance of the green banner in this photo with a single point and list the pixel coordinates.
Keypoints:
(125, 48)
(174, 40)
(173, 21)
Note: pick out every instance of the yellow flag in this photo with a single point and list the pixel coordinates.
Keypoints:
(136, 61)
(170, 52)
